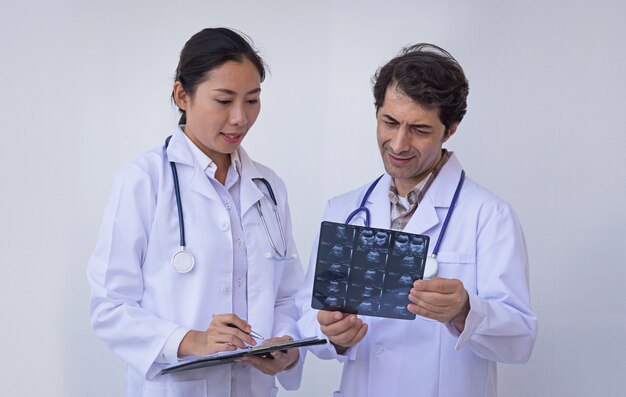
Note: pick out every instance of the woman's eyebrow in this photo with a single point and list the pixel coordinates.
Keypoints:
(231, 92)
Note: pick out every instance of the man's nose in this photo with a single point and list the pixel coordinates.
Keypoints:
(400, 142)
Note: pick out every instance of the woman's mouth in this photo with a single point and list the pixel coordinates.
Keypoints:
(232, 138)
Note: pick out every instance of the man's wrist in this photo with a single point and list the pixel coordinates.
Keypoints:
(458, 321)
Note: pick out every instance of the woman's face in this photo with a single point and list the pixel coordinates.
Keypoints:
(222, 109)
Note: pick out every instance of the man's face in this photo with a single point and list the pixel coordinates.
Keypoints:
(409, 138)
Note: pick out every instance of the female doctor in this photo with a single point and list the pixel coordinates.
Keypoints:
(192, 258)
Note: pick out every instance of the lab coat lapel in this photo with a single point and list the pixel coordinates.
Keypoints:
(439, 195)
(424, 218)
(249, 190)
(179, 152)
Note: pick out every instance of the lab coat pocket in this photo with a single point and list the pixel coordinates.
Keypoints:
(458, 265)
(175, 389)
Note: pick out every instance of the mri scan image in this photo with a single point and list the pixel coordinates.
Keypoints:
(367, 238)
(367, 271)
(381, 239)
(401, 244)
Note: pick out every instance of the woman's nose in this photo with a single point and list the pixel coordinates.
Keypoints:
(238, 115)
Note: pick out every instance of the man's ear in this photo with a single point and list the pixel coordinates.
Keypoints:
(180, 96)
(450, 131)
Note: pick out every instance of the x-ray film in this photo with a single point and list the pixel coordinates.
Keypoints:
(367, 271)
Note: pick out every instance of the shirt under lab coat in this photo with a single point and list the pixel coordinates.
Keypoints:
(139, 302)
(484, 248)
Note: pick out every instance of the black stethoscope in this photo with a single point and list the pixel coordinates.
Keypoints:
(183, 260)
(432, 266)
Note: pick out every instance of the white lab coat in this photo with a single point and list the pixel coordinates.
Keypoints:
(138, 300)
(484, 248)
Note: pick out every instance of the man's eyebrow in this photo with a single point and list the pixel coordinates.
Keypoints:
(385, 115)
(231, 92)
(420, 126)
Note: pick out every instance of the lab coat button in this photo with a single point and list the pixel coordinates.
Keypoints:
(226, 289)
(268, 255)
(377, 350)
(224, 226)
(227, 204)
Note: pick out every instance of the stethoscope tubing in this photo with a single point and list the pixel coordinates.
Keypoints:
(188, 256)
(363, 208)
(448, 215)
(270, 191)
(179, 206)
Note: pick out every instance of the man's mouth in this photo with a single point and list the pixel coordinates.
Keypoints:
(399, 160)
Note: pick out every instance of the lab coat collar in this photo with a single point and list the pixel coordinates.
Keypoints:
(179, 152)
(439, 195)
(442, 189)
(425, 217)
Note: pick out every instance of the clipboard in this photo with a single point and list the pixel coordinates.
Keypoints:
(367, 271)
(228, 357)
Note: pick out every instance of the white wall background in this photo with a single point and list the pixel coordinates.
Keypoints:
(86, 89)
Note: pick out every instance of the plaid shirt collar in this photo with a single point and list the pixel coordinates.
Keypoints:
(401, 216)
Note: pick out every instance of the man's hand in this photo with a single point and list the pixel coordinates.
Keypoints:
(343, 330)
(441, 299)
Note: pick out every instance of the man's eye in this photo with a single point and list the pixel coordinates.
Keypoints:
(391, 123)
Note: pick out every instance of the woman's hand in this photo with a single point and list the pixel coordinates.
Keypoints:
(277, 361)
(226, 332)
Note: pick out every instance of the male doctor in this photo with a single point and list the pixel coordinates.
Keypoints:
(476, 311)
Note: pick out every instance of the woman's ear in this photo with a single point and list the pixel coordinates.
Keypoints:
(180, 96)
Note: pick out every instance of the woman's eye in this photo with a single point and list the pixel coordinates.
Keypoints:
(253, 101)
(223, 101)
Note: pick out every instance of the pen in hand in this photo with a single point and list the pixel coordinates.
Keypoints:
(252, 333)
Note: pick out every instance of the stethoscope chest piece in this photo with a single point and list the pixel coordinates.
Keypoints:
(183, 261)
(431, 268)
